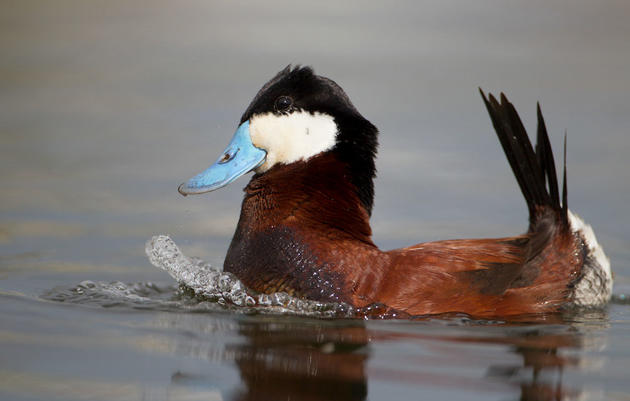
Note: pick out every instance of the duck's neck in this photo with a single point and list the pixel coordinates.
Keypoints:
(318, 194)
(293, 220)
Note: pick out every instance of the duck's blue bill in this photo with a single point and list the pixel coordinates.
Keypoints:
(240, 157)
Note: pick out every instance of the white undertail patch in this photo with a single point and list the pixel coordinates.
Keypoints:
(292, 137)
(594, 287)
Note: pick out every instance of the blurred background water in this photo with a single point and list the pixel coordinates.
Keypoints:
(106, 106)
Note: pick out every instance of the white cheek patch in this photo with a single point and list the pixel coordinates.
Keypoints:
(293, 137)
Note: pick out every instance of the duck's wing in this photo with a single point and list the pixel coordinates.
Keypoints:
(482, 277)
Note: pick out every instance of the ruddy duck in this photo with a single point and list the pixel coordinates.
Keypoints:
(304, 225)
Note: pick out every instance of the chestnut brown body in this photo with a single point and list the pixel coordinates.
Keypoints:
(303, 230)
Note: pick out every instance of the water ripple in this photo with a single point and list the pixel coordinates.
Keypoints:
(204, 288)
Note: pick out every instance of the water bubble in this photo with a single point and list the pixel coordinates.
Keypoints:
(264, 300)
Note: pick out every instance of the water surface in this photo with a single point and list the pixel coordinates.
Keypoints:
(106, 106)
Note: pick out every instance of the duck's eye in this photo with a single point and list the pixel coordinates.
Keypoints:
(283, 103)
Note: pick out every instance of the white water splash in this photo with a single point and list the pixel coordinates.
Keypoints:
(214, 285)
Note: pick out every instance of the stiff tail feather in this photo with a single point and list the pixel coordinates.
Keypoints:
(535, 172)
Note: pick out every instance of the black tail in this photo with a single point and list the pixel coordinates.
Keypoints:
(535, 171)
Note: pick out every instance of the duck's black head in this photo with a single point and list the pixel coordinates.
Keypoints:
(295, 116)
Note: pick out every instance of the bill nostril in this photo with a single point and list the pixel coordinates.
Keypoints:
(228, 155)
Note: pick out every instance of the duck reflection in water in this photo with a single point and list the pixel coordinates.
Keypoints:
(303, 359)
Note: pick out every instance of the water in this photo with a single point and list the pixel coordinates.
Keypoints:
(107, 106)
